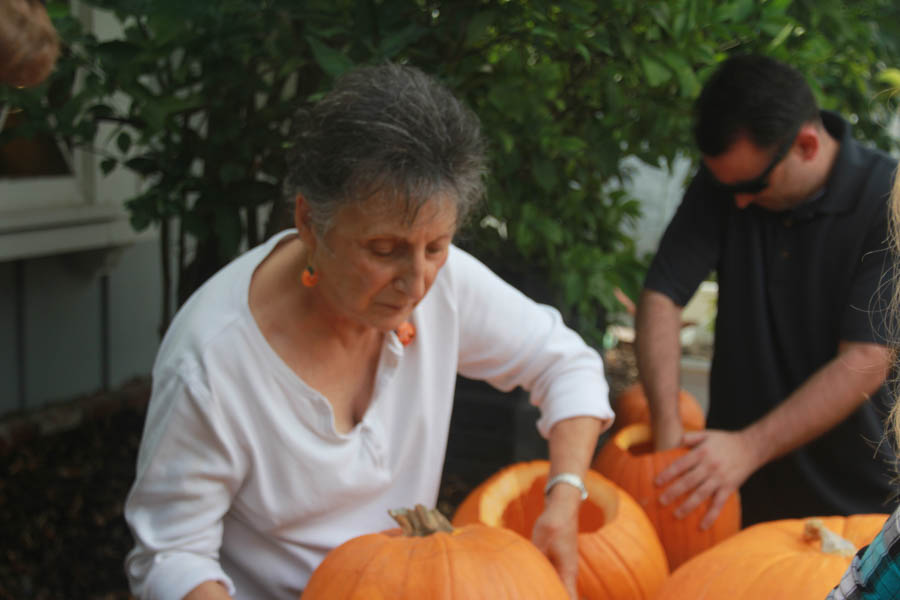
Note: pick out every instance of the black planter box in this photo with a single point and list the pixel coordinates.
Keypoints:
(489, 430)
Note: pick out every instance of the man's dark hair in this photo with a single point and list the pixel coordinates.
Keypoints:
(754, 95)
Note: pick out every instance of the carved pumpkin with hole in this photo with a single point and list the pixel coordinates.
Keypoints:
(628, 459)
(429, 559)
(620, 556)
(631, 407)
(790, 559)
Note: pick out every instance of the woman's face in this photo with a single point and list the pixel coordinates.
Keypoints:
(375, 267)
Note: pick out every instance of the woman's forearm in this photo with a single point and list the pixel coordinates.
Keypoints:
(209, 590)
(572, 443)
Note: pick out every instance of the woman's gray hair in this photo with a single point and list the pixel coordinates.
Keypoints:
(390, 132)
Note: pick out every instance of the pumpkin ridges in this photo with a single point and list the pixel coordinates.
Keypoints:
(640, 537)
(770, 560)
(607, 512)
(631, 406)
(762, 568)
(514, 574)
(430, 571)
(466, 553)
(789, 566)
(638, 589)
(635, 471)
(590, 579)
(510, 572)
(500, 574)
(855, 527)
(635, 532)
(615, 552)
(789, 573)
(335, 587)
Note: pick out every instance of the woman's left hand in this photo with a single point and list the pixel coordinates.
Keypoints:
(572, 442)
(555, 534)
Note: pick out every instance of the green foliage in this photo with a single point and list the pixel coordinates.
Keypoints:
(202, 94)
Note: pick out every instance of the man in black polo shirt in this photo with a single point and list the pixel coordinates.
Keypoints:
(790, 211)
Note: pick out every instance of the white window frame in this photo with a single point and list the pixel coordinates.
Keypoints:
(57, 214)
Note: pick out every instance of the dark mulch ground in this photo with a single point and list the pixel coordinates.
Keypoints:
(61, 529)
(62, 535)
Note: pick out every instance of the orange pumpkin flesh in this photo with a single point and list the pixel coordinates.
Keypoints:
(631, 407)
(628, 460)
(474, 562)
(620, 556)
(771, 560)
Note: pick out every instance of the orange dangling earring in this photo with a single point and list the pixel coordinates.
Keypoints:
(309, 277)
(406, 332)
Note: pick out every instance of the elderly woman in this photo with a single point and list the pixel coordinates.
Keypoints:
(306, 389)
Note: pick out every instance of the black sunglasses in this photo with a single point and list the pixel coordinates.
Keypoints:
(761, 181)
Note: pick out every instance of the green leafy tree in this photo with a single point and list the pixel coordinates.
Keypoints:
(202, 95)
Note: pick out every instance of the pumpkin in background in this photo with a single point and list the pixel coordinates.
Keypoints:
(628, 460)
(631, 406)
(777, 560)
(429, 559)
(620, 556)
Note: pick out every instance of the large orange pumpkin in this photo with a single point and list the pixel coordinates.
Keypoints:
(429, 559)
(774, 561)
(628, 459)
(631, 406)
(620, 556)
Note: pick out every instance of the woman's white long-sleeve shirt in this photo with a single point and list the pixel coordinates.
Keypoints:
(241, 475)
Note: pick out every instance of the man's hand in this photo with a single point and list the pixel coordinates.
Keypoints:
(718, 464)
(555, 534)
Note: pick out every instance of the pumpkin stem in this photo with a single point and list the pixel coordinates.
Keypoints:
(832, 543)
(420, 521)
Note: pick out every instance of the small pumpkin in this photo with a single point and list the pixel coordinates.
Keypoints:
(628, 460)
(631, 406)
(620, 556)
(777, 560)
(429, 558)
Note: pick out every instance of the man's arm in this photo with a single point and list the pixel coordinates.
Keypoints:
(826, 399)
(720, 461)
(572, 443)
(658, 349)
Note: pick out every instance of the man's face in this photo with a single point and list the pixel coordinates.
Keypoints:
(753, 175)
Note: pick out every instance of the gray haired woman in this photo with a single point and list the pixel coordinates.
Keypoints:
(306, 388)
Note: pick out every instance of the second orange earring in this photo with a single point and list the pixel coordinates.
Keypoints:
(309, 277)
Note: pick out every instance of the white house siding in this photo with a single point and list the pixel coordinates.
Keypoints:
(8, 352)
(135, 304)
(70, 340)
(62, 330)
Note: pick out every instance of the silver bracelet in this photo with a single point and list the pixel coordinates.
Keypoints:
(570, 478)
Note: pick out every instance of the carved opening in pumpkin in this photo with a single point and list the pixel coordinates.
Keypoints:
(636, 439)
(641, 449)
(520, 500)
